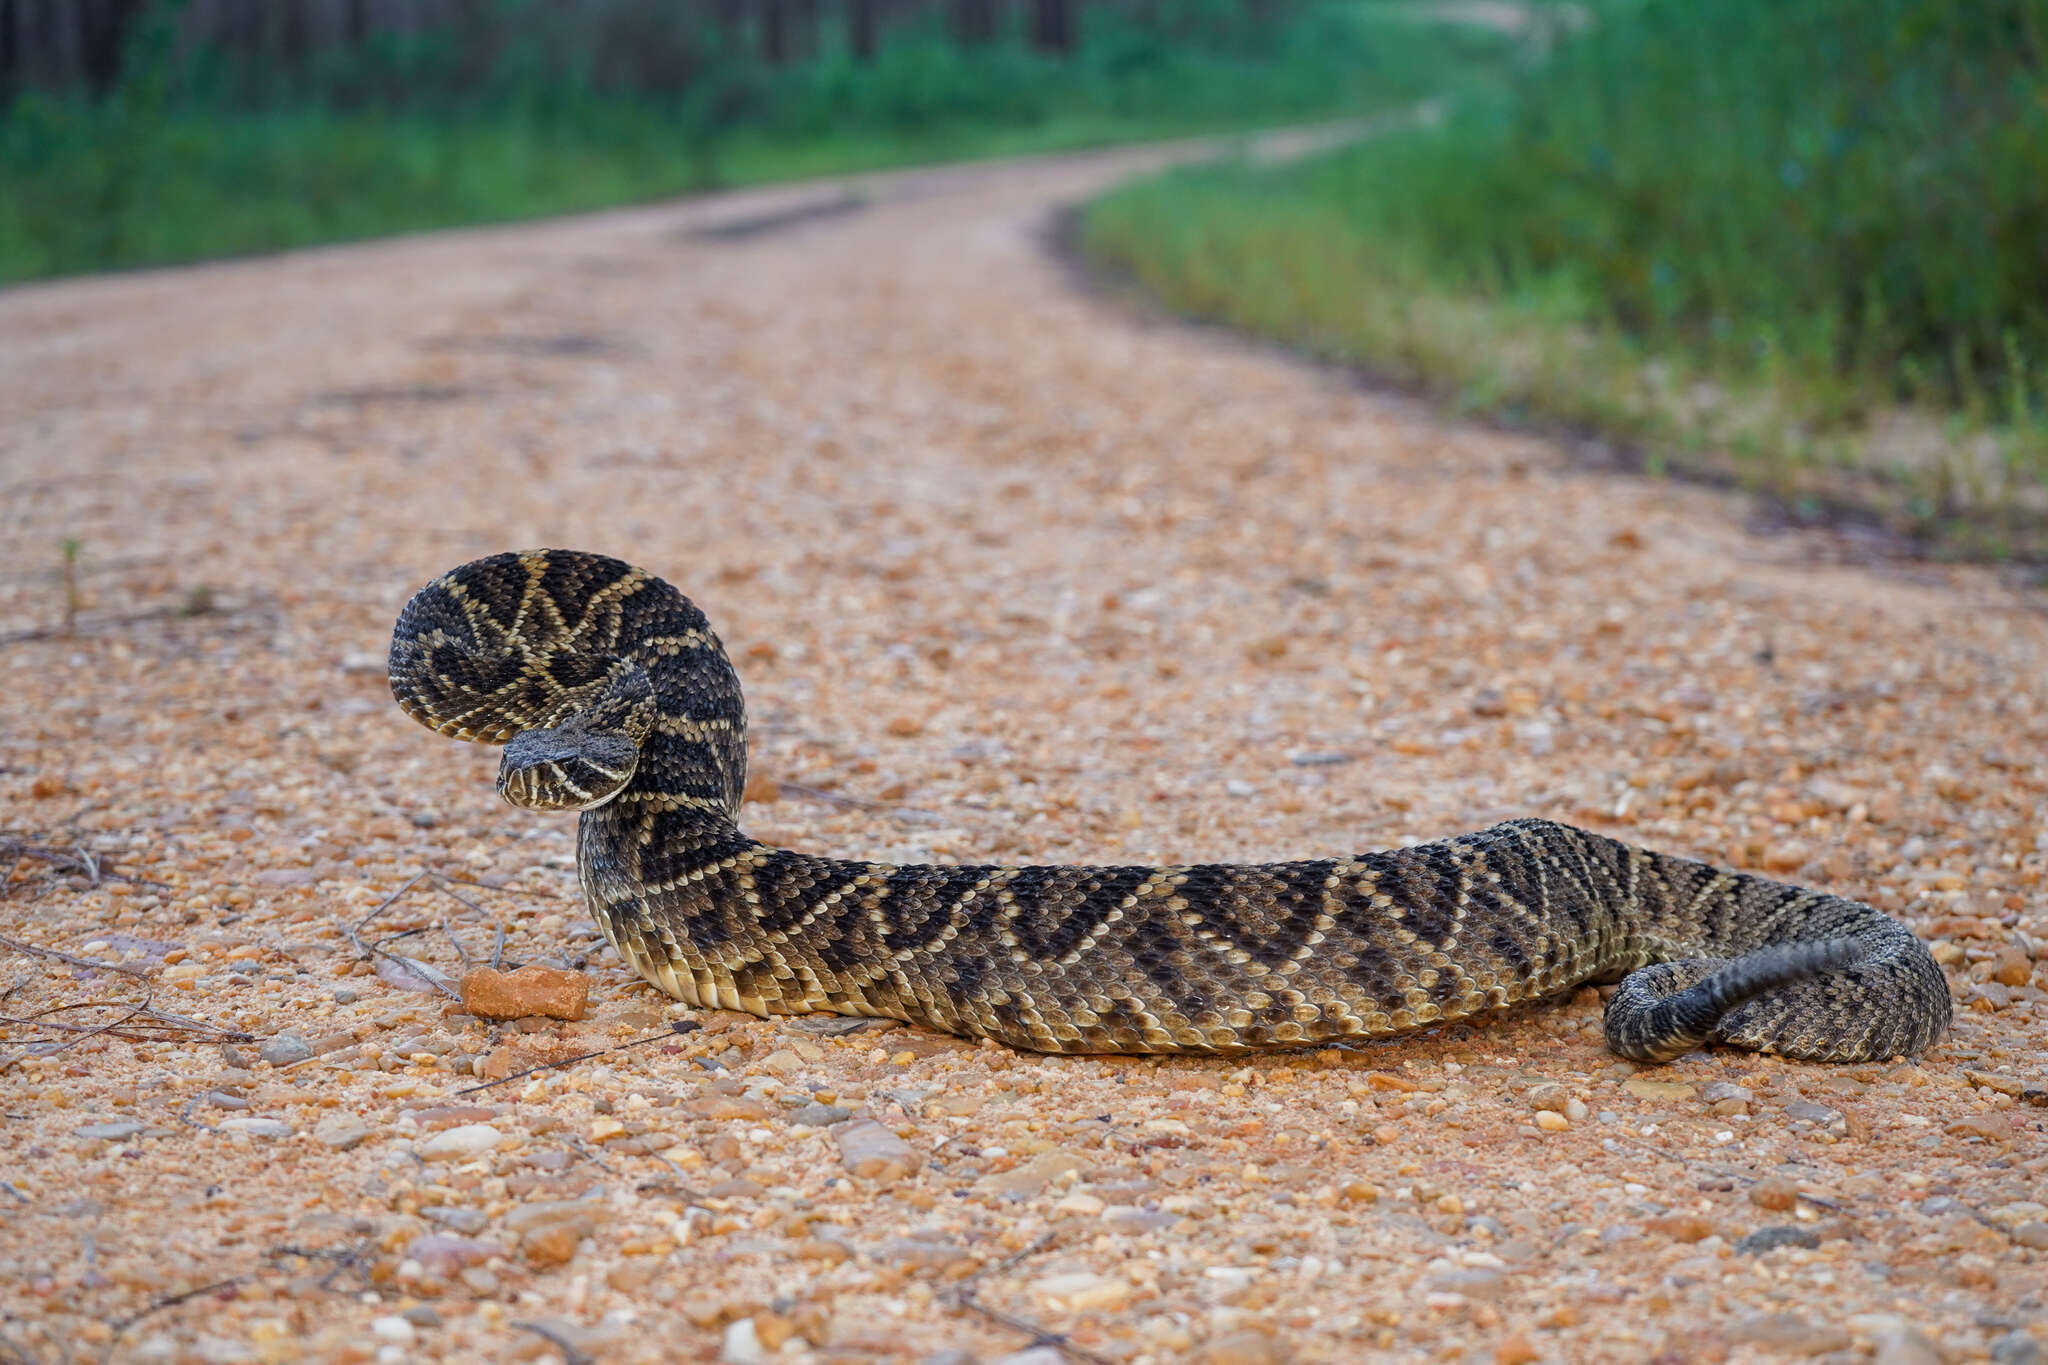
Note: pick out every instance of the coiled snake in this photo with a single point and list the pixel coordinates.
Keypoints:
(613, 697)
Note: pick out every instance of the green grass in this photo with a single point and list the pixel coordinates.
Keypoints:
(201, 160)
(1799, 245)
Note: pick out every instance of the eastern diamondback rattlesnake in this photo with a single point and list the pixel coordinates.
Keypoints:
(613, 697)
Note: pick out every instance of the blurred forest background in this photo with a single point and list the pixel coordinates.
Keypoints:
(1801, 246)
(146, 131)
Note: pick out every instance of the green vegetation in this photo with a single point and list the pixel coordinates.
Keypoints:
(203, 150)
(1797, 244)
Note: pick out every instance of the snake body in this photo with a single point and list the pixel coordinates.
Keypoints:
(614, 697)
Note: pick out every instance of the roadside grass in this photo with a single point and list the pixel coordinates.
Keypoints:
(1795, 247)
(177, 166)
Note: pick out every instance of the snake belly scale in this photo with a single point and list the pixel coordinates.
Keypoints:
(614, 698)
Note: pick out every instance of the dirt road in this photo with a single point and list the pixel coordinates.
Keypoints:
(1010, 570)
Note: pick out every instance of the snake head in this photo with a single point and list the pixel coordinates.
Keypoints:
(567, 767)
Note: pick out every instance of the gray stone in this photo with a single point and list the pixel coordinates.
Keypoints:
(545, 1215)
(1906, 1346)
(257, 1127)
(1790, 1334)
(1771, 1238)
(1037, 1355)
(920, 1252)
(1138, 1221)
(447, 1256)
(869, 1150)
(118, 1131)
(1481, 1282)
(456, 1217)
(1717, 1091)
(815, 1115)
(341, 1132)
(2016, 1348)
(1813, 1113)
(285, 1048)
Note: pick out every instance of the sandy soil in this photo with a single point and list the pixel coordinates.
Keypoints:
(1010, 570)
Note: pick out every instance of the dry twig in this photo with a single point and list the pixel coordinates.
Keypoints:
(78, 861)
(58, 955)
(675, 1029)
(962, 1296)
(159, 1304)
(571, 1354)
(426, 972)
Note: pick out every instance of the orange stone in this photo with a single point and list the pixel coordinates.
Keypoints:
(534, 989)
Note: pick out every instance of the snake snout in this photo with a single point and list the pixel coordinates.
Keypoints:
(566, 768)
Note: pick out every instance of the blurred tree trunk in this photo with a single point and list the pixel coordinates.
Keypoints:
(801, 16)
(105, 25)
(1052, 26)
(974, 22)
(774, 31)
(860, 28)
(10, 47)
(730, 16)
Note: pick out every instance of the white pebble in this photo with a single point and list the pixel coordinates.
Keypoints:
(464, 1140)
(393, 1328)
(742, 1345)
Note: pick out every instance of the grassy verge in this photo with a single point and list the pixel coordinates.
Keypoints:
(170, 169)
(1794, 246)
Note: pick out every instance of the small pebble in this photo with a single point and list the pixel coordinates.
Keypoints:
(815, 1115)
(257, 1127)
(2013, 967)
(285, 1048)
(461, 1142)
(118, 1131)
(742, 1344)
(1789, 1333)
(1906, 1346)
(457, 1218)
(873, 1152)
(2015, 1348)
(341, 1132)
(1812, 1113)
(1082, 1292)
(1771, 1238)
(1243, 1348)
(393, 1329)
(1775, 1193)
